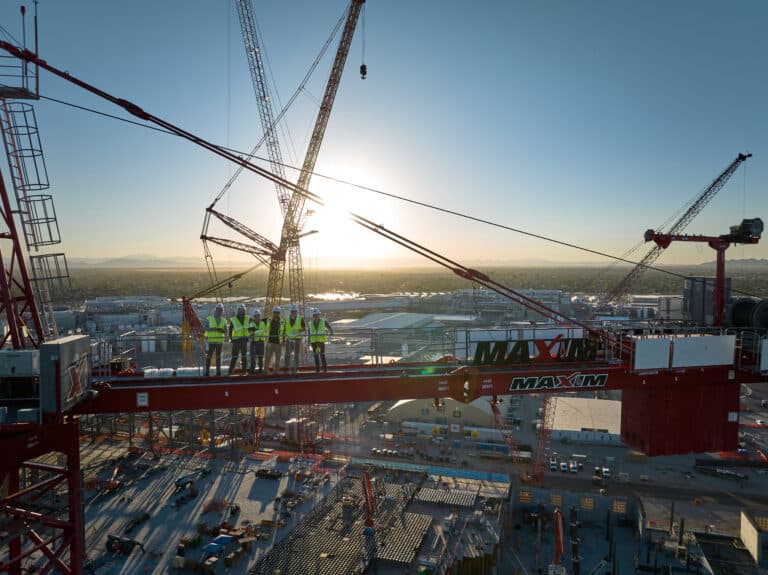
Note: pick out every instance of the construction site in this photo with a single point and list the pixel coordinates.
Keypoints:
(493, 429)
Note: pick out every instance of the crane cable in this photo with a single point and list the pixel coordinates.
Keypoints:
(288, 104)
(250, 156)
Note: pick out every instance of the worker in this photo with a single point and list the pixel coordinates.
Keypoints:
(294, 332)
(258, 330)
(319, 329)
(215, 331)
(275, 332)
(239, 334)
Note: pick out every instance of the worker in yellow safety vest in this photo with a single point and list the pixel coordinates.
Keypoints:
(294, 332)
(258, 330)
(275, 332)
(319, 329)
(239, 334)
(215, 331)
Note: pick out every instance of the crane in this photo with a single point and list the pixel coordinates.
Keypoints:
(747, 232)
(693, 210)
(290, 235)
(506, 432)
(556, 567)
(370, 502)
(263, 96)
(192, 329)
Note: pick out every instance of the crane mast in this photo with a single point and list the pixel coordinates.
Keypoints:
(289, 237)
(692, 211)
(263, 96)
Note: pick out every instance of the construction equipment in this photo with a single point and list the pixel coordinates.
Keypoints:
(192, 329)
(506, 431)
(545, 432)
(122, 545)
(291, 232)
(691, 212)
(370, 503)
(556, 567)
(747, 232)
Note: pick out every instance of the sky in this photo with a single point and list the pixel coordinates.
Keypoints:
(585, 121)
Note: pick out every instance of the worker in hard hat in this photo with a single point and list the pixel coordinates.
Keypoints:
(258, 330)
(240, 336)
(215, 332)
(319, 329)
(294, 333)
(275, 332)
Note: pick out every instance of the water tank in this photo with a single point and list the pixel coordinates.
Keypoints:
(748, 312)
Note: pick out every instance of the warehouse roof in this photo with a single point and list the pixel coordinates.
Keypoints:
(581, 413)
(400, 320)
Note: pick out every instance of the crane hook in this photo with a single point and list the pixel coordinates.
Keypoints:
(363, 71)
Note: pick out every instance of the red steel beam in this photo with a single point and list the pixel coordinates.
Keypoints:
(463, 384)
(22, 442)
(5, 567)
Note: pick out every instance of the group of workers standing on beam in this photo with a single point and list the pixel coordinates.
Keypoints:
(265, 339)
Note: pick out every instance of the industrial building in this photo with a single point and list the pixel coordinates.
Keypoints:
(586, 420)
(451, 413)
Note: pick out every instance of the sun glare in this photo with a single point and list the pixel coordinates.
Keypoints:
(338, 239)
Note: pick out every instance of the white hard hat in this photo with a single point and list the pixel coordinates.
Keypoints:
(276, 309)
(241, 306)
(315, 311)
(294, 307)
(219, 306)
(256, 312)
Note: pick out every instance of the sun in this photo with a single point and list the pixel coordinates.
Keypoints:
(339, 240)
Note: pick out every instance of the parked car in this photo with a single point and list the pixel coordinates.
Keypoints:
(563, 467)
(573, 467)
(552, 464)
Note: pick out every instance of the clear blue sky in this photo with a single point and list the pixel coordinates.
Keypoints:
(588, 121)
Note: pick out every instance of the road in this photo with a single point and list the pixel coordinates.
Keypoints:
(731, 494)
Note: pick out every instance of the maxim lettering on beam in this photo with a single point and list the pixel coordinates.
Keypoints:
(534, 351)
(575, 380)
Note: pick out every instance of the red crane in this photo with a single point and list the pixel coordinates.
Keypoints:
(506, 431)
(192, 329)
(691, 212)
(559, 538)
(712, 387)
(747, 232)
(370, 502)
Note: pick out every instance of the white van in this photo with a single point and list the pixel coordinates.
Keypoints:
(606, 473)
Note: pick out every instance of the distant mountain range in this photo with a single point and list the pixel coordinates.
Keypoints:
(136, 261)
(148, 261)
(752, 262)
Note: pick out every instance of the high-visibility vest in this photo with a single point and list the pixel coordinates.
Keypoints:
(211, 334)
(239, 329)
(280, 329)
(293, 331)
(258, 330)
(317, 332)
